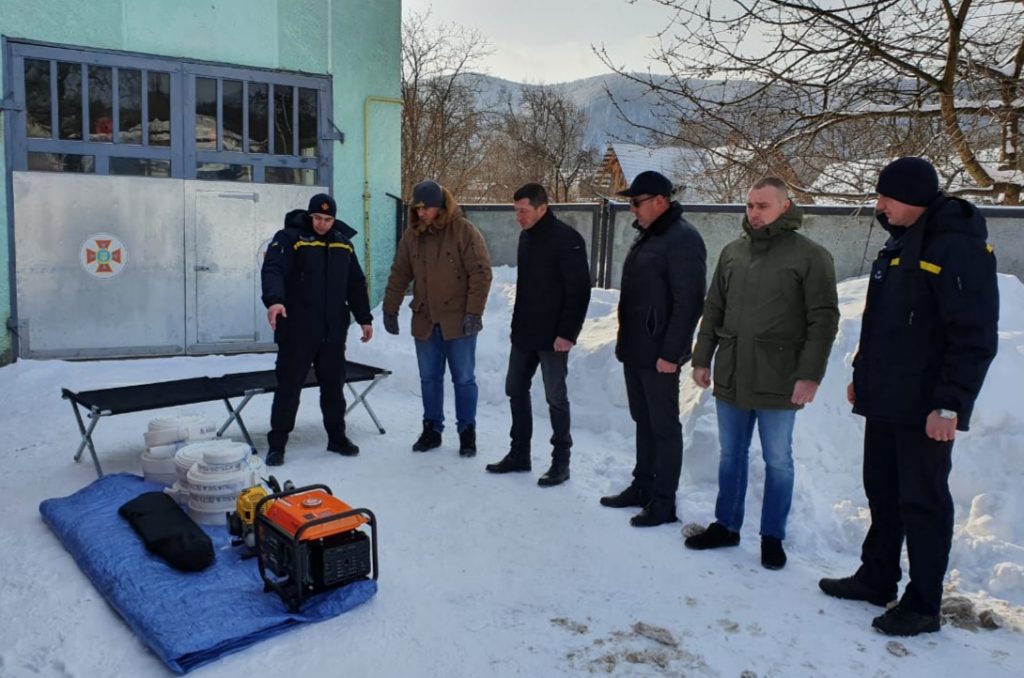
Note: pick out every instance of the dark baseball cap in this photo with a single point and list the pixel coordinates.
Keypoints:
(648, 183)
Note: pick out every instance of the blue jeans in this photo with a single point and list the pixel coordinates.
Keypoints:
(735, 430)
(460, 354)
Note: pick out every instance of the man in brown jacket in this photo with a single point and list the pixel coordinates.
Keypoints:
(445, 258)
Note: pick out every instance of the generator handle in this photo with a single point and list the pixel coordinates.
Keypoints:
(287, 493)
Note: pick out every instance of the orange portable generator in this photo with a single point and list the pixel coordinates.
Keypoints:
(310, 541)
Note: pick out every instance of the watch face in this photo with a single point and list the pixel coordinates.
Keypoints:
(947, 414)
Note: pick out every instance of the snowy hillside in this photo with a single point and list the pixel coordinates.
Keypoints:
(493, 575)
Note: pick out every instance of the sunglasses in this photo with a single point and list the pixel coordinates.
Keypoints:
(636, 202)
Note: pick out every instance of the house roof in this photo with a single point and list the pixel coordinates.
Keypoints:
(677, 163)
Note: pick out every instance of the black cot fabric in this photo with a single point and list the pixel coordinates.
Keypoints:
(168, 532)
(162, 394)
(122, 399)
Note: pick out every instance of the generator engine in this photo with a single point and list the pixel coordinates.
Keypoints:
(307, 541)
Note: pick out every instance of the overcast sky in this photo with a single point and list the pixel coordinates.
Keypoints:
(550, 41)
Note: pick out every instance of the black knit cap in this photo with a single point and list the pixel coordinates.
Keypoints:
(910, 180)
(649, 183)
(321, 203)
(427, 194)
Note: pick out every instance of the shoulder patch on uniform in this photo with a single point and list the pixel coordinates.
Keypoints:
(930, 267)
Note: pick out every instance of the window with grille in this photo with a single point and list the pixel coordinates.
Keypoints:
(124, 114)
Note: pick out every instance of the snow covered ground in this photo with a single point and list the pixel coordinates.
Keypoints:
(484, 574)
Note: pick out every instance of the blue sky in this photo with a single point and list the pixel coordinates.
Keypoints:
(550, 40)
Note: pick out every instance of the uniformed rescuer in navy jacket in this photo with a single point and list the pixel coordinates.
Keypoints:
(927, 338)
(312, 281)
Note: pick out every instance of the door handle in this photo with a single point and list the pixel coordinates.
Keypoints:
(199, 267)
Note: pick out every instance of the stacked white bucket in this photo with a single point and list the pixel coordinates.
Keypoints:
(164, 437)
(203, 473)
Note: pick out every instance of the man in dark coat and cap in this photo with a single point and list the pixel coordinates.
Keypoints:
(312, 282)
(660, 301)
(928, 335)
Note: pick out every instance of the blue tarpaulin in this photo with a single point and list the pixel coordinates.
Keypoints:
(187, 619)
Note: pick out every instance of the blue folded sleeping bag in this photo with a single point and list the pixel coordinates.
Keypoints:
(187, 618)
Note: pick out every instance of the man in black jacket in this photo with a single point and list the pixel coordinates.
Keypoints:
(928, 335)
(660, 301)
(552, 295)
(311, 282)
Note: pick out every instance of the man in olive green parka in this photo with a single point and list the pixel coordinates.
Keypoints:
(770, 318)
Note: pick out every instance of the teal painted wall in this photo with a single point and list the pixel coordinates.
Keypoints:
(358, 42)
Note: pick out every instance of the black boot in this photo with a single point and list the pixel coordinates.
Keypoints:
(556, 475)
(773, 556)
(851, 588)
(275, 457)
(631, 496)
(900, 621)
(467, 442)
(657, 512)
(343, 446)
(716, 536)
(429, 439)
(514, 462)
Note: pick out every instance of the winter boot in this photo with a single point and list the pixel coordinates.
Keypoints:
(556, 475)
(851, 588)
(343, 446)
(899, 621)
(467, 442)
(716, 536)
(429, 439)
(657, 512)
(631, 496)
(773, 557)
(513, 462)
(275, 457)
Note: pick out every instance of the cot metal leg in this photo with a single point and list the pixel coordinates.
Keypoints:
(360, 399)
(236, 416)
(94, 417)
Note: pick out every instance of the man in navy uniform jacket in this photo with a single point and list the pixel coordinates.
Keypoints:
(312, 281)
(928, 335)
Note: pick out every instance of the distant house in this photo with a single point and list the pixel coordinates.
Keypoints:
(853, 181)
(684, 167)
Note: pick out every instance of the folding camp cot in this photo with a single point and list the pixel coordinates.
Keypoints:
(107, 402)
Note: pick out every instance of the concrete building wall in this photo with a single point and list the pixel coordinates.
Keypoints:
(355, 41)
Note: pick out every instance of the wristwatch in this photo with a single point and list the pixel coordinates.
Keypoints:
(946, 414)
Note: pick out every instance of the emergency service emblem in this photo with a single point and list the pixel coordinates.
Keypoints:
(103, 255)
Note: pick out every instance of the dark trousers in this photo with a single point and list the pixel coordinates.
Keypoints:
(654, 406)
(554, 367)
(906, 479)
(293, 361)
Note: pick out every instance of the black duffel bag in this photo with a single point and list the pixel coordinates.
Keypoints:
(169, 532)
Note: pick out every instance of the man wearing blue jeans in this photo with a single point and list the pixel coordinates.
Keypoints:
(445, 258)
(770, 318)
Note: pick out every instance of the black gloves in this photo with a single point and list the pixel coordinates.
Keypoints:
(391, 323)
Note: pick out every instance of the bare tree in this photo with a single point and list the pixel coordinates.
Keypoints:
(800, 85)
(542, 140)
(443, 126)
